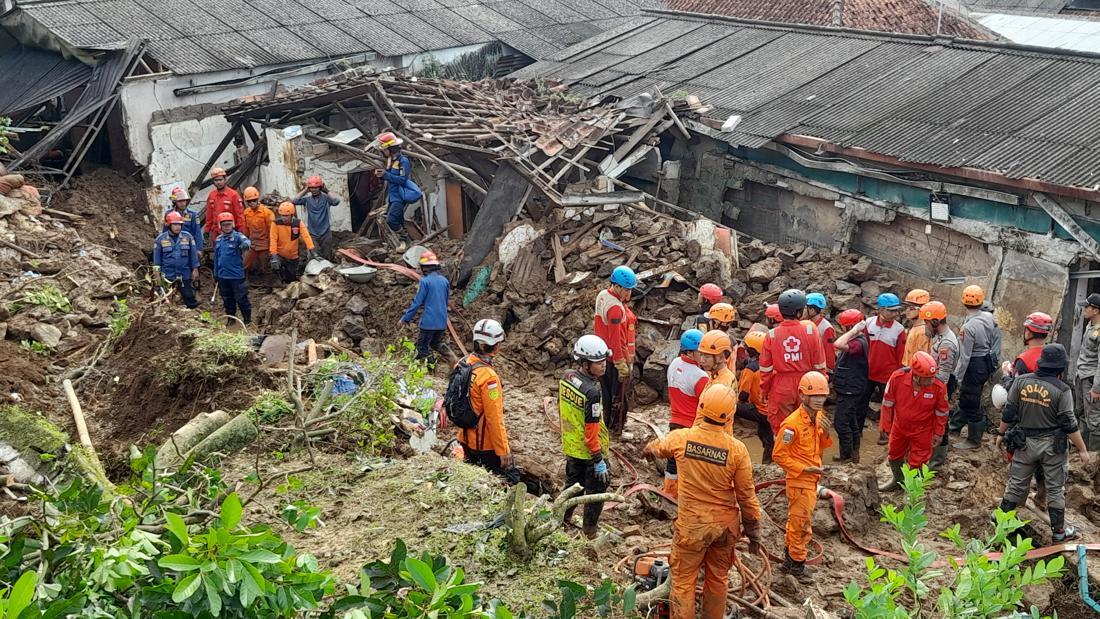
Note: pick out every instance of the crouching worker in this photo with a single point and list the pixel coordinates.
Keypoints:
(584, 436)
(717, 503)
(287, 232)
(475, 403)
(229, 250)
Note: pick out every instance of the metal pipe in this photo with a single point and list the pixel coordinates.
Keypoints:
(1083, 579)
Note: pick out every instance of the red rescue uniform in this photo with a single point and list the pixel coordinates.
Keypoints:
(220, 201)
(798, 445)
(790, 350)
(887, 348)
(914, 415)
(686, 381)
(611, 324)
(828, 336)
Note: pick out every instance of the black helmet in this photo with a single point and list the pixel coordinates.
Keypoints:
(791, 302)
(1053, 357)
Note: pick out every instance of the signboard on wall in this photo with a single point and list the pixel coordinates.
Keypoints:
(940, 208)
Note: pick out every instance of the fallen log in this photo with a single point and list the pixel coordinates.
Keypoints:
(235, 435)
(192, 433)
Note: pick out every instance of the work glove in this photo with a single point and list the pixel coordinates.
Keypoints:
(751, 529)
(623, 369)
(602, 474)
(276, 262)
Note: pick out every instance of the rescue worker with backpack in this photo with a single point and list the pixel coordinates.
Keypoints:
(585, 440)
(286, 234)
(914, 414)
(401, 190)
(850, 382)
(475, 404)
(686, 382)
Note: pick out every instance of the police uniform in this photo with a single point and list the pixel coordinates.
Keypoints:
(229, 270)
(584, 438)
(1088, 379)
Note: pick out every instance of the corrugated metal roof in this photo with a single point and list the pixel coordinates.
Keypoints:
(457, 27)
(1019, 112)
(33, 76)
(424, 34)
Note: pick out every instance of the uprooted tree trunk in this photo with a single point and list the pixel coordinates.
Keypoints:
(526, 528)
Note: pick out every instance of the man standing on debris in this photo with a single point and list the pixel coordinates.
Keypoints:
(229, 248)
(486, 445)
(686, 381)
(176, 258)
(886, 341)
(396, 174)
(433, 295)
(318, 203)
(611, 325)
(717, 504)
(790, 350)
(1039, 412)
(914, 413)
(850, 381)
(222, 199)
(584, 436)
(976, 365)
(286, 234)
(258, 222)
(944, 348)
(1088, 374)
(802, 438)
(916, 339)
(750, 401)
(815, 313)
(181, 203)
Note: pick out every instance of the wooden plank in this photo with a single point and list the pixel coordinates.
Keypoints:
(559, 265)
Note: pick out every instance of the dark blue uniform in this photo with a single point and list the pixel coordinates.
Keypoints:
(229, 269)
(177, 256)
(190, 224)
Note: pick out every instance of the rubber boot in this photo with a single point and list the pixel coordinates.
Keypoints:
(939, 457)
(798, 569)
(974, 432)
(247, 317)
(883, 438)
(672, 487)
(895, 471)
(591, 532)
(839, 459)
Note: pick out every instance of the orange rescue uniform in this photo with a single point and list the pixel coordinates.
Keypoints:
(717, 495)
(724, 376)
(749, 384)
(285, 237)
(257, 227)
(790, 350)
(487, 400)
(798, 445)
(916, 341)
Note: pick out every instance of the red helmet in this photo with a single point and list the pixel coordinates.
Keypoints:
(923, 364)
(428, 258)
(314, 181)
(711, 292)
(388, 139)
(1038, 322)
(849, 317)
(772, 311)
(173, 217)
(224, 217)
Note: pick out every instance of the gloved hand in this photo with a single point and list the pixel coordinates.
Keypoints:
(276, 262)
(623, 369)
(751, 529)
(602, 474)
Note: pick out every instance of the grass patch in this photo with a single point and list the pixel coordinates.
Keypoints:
(50, 297)
(35, 347)
(24, 429)
(214, 354)
(268, 407)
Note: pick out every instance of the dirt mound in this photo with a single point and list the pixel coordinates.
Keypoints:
(114, 214)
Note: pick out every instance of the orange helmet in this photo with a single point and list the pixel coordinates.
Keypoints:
(711, 292)
(917, 296)
(173, 217)
(251, 193)
(849, 317)
(388, 139)
(755, 340)
(286, 208)
(428, 258)
(923, 364)
(722, 312)
(933, 310)
(224, 217)
(718, 403)
(217, 173)
(772, 311)
(314, 181)
(715, 343)
(813, 383)
(973, 296)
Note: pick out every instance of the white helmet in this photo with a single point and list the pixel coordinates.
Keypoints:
(591, 348)
(999, 396)
(488, 331)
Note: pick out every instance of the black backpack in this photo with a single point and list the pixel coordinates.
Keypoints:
(456, 401)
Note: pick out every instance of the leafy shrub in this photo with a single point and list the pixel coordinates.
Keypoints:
(120, 319)
(49, 296)
(268, 407)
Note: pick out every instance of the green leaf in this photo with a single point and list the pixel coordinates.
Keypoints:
(421, 573)
(259, 555)
(630, 600)
(21, 594)
(180, 563)
(231, 512)
(177, 527)
(252, 585)
(213, 599)
(186, 588)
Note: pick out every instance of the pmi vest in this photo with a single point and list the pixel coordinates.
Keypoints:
(577, 395)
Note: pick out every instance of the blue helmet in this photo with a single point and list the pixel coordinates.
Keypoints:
(888, 300)
(624, 276)
(816, 299)
(690, 339)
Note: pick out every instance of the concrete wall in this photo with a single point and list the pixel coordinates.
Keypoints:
(780, 216)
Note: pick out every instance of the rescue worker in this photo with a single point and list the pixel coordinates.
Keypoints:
(916, 339)
(723, 317)
(222, 199)
(976, 364)
(914, 413)
(944, 348)
(815, 313)
(432, 295)
(287, 233)
(717, 505)
(715, 349)
(1037, 326)
(1040, 413)
(229, 248)
(487, 444)
(176, 257)
(886, 347)
(396, 174)
(584, 437)
(686, 381)
(801, 439)
(850, 382)
(750, 401)
(318, 203)
(610, 323)
(772, 315)
(709, 294)
(790, 350)
(258, 221)
(1088, 374)
(181, 203)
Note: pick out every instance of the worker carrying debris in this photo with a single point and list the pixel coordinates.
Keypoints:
(790, 350)
(850, 381)
(816, 303)
(886, 341)
(222, 199)
(1037, 424)
(229, 248)
(916, 339)
(976, 364)
(432, 296)
(181, 203)
(482, 433)
(286, 235)
(318, 203)
(686, 382)
(258, 222)
(1088, 373)
(611, 325)
(176, 257)
(401, 190)
(802, 438)
(585, 439)
(717, 504)
(944, 347)
(914, 413)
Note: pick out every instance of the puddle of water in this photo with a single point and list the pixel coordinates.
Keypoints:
(870, 452)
